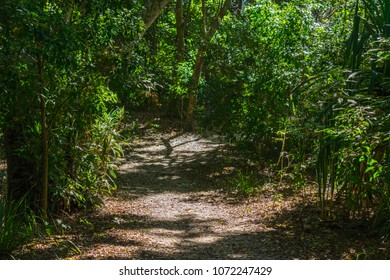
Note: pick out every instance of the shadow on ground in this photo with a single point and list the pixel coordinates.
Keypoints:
(189, 165)
(166, 167)
(284, 239)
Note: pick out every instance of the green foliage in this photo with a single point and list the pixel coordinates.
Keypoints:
(244, 184)
(304, 83)
(257, 59)
(344, 118)
(353, 155)
(17, 225)
(85, 173)
(67, 53)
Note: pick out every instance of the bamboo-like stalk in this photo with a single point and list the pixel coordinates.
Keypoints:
(45, 144)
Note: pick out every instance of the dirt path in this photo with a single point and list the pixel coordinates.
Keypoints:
(172, 203)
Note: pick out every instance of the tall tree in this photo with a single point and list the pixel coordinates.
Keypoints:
(207, 35)
(180, 31)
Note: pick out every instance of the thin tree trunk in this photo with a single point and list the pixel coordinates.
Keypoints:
(173, 104)
(237, 6)
(180, 29)
(153, 9)
(207, 35)
(45, 158)
(45, 148)
(192, 98)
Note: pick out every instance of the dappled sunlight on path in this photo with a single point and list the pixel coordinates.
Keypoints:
(167, 181)
(173, 202)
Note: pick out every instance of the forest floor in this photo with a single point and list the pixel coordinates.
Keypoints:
(175, 201)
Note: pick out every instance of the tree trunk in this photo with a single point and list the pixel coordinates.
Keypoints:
(180, 30)
(44, 139)
(153, 9)
(45, 158)
(237, 6)
(152, 38)
(173, 102)
(192, 98)
(207, 36)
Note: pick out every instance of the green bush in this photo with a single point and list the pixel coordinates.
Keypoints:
(17, 225)
(346, 110)
(86, 172)
(244, 184)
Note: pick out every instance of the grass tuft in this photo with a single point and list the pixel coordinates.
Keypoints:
(245, 184)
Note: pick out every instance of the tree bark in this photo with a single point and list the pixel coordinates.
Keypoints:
(45, 159)
(153, 9)
(180, 30)
(237, 6)
(192, 98)
(207, 36)
(45, 144)
(173, 102)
